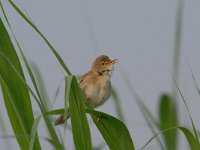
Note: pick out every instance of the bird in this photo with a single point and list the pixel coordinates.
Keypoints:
(96, 84)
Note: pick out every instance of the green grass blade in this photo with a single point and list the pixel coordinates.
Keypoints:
(19, 99)
(57, 91)
(53, 142)
(34, 132)
(168, 119)
(138, 100)
(54, 112)
(195, 82)
(47, 121)
(185, 103)
(68, 82)
(60, 60)
(41, 87)
(150, 120)
(22, 54)
(43, 107)
(80, 127)
(194, 145)
(113, 130)
(19, 128)
(39, 101)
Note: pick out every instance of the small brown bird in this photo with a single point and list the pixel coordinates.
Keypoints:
(96, 83)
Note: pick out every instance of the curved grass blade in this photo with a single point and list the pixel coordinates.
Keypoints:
(55, 112)
(56, 144)
(40, 100)
(68, 82)
(57, 92)
(195, 82)
(47, 121)
(185, 103)
(60, 60)
(16, 96)
(150, 120)
(192, 141)
(41, 86)
(113, 130)
(21, 127)
(23, 57)
(80, 127)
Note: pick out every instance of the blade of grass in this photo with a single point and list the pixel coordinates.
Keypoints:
(34, 132)
(21, 78)
(113, 130)
(23, 56)
(54, 143)
(68, 83)
(185, 103)
(55, 112)
(19, 99)
(150, 120)
(40, 100)
(195, 82)
(24, 59)
(60, 60)
(57, 91)
(48, 123)
(80, 127)
(168, 119)
(21, 125)
(41, 86)
(192, 141)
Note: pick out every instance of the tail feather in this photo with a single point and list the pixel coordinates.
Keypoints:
(60, 120)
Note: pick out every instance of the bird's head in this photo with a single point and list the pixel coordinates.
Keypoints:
(103, 65)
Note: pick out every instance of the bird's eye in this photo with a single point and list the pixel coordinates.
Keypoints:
(103, 63)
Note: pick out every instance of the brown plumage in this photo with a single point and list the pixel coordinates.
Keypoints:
(96, 83)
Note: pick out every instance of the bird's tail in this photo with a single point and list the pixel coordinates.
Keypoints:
(61, 119)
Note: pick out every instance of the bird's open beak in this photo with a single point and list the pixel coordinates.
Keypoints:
(110, 65)
(112, 62)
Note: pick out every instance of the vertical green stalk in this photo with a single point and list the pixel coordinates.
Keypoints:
(177, 45)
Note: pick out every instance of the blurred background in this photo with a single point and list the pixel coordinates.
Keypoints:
(140, 33)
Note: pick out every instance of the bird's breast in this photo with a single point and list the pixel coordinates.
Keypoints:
(99, 92)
